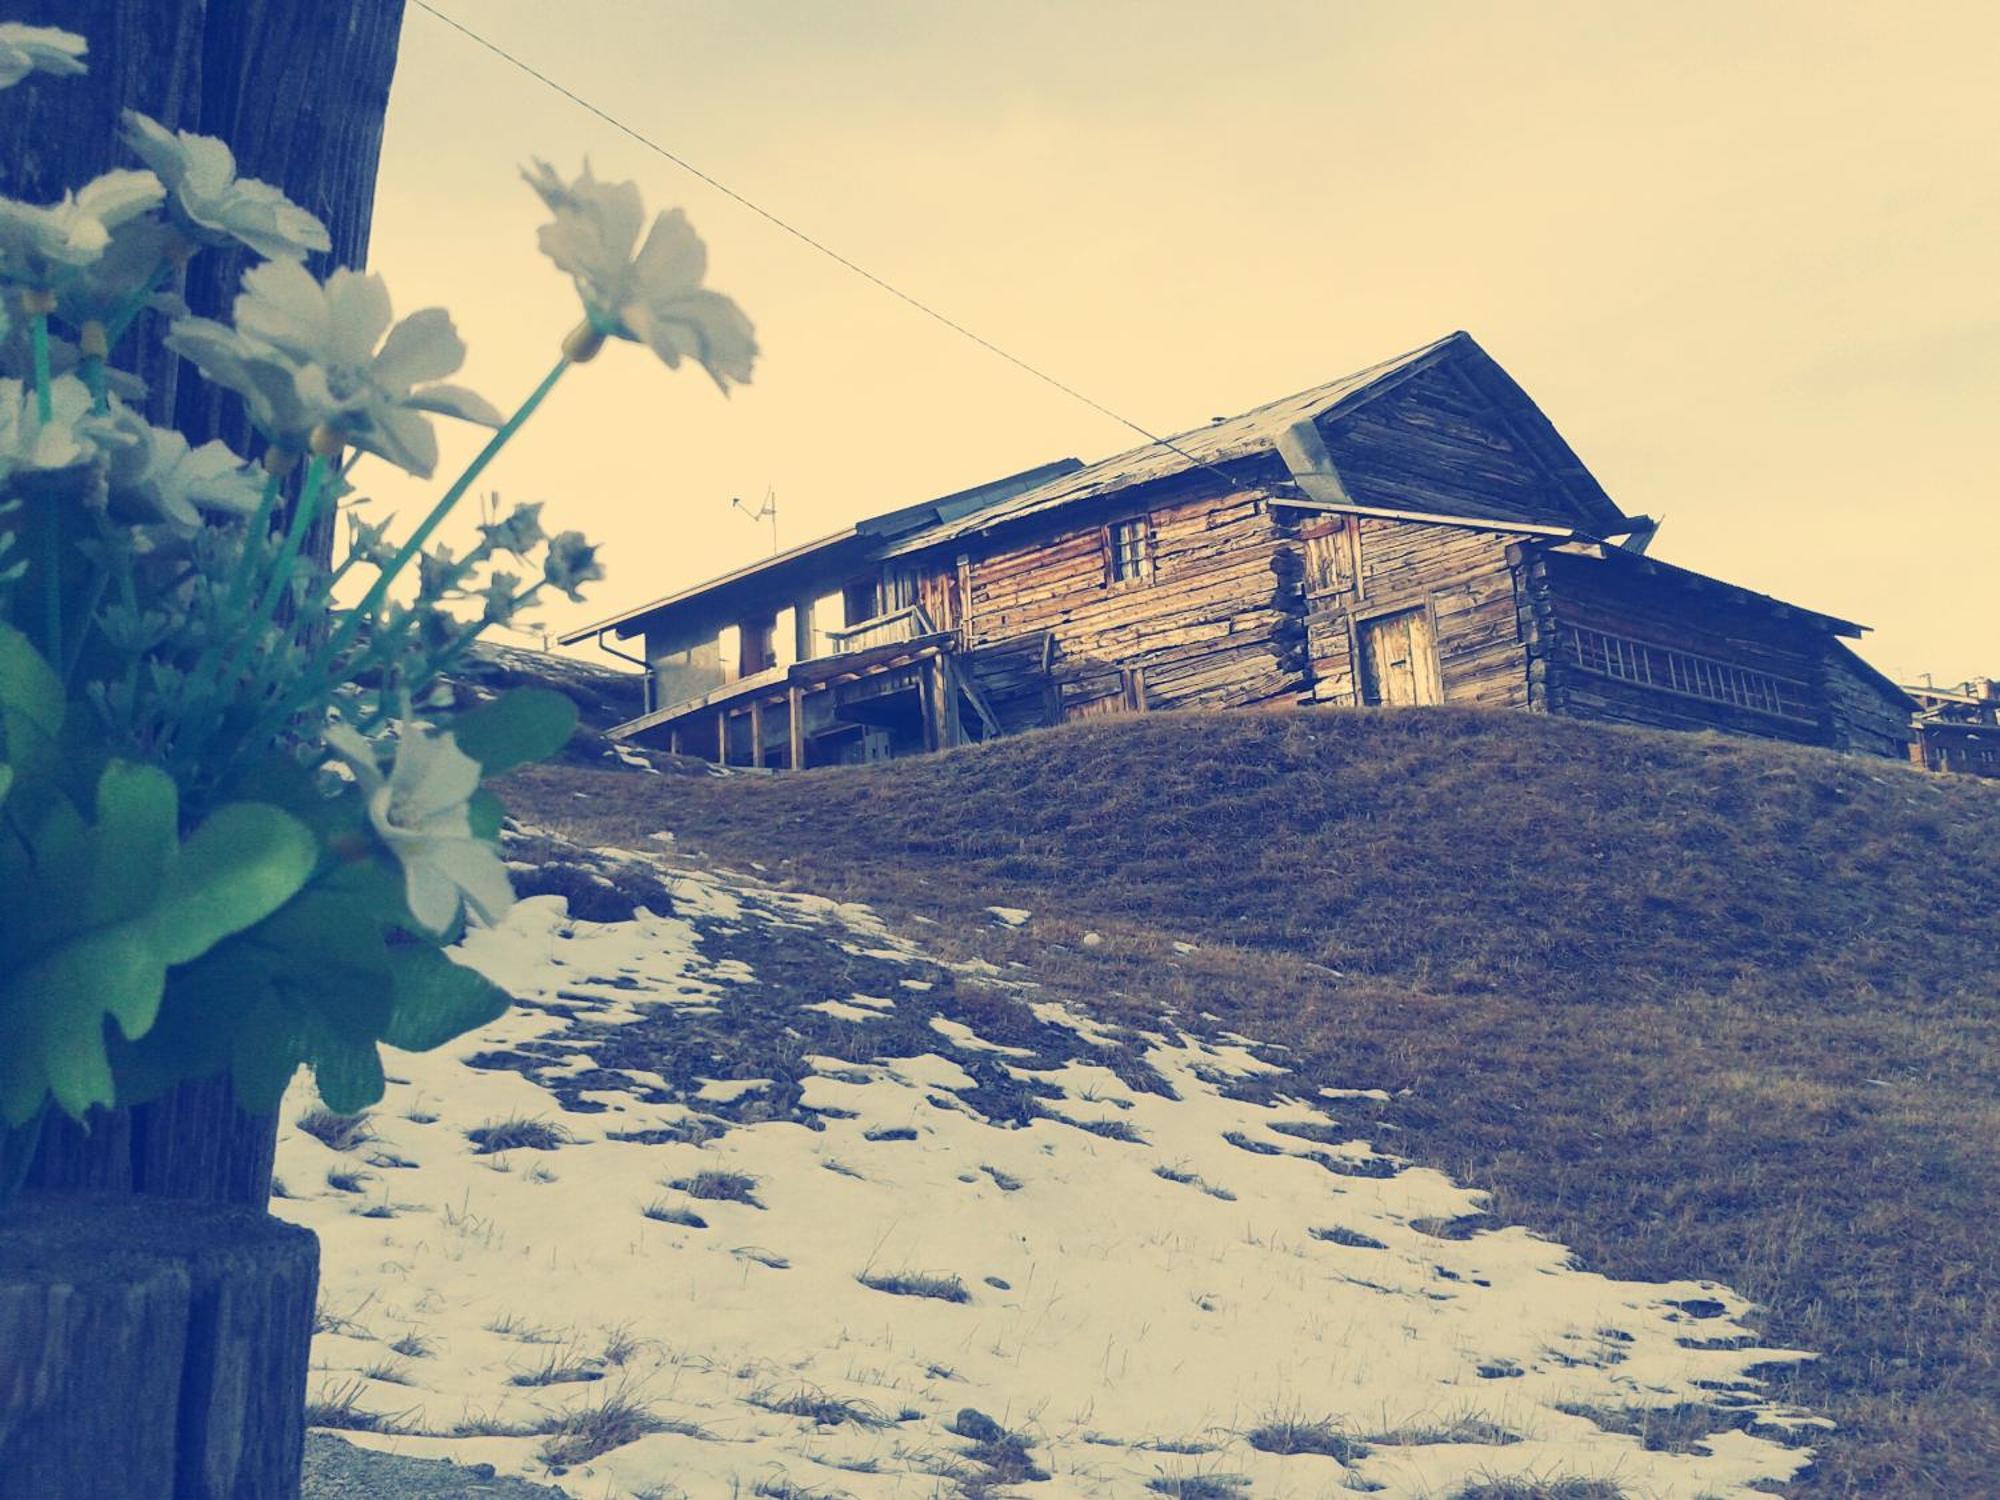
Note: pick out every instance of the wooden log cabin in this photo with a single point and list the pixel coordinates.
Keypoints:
(1415, 533)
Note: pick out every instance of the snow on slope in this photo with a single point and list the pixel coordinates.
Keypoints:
(1133, 1253)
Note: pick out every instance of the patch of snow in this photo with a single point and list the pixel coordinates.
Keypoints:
(1010, 916)
(1144, 1272)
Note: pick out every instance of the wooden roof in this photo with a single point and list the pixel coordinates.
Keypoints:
(1255, 435)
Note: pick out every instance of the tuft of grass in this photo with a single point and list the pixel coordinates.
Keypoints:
(414, 1345)
(339, 1406)
(349, 1180)
(1354, 1239)
(1002, 1180)
(1573, 1488)
(511, 1327)
(390, 1372)
(1818, 920)
(518, 1133)
(819, 1408)
(337, 1132)
(621, 1345)
(590, 1431)
(564, 1366)
(1200, 1486)
(1467, 1428)
(1295, 1434)
(917, 1284)
(891, 1133)
(719, 1187)
(1664, 1429)
(1111, 1130)
(673, 1213)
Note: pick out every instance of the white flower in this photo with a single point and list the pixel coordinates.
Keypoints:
(266, 379)
(38, 49)
(37, 244)
(421, 810)
(304, 354)
(215, 204)
(100, 291)
(155, 473)
(28, 443)
(654, 298)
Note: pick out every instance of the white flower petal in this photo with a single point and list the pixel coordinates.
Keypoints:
(424, 346)
(359, 314)
(456, 401)
(283, 305)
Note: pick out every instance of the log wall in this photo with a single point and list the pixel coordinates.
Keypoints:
(1868, 719)
(1566, 593)
(1216, 624)
(1361, 567)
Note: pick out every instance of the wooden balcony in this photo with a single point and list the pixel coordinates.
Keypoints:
(906, 624)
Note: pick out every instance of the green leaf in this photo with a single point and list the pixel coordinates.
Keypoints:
(6, 781)
(247, 860)
(348, 1074)
(264, 1054)
(55, 1011)
(486, 812)
(137, 836)
(524, 725)
(28, 684)
(437, 999)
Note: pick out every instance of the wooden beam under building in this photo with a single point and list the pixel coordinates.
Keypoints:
(757, 732)
(795, 724)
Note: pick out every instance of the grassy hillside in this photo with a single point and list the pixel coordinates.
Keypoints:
(1696, 1007)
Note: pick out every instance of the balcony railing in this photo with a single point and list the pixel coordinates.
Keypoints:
(905, 624)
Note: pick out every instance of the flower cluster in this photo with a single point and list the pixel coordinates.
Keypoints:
(191, 730)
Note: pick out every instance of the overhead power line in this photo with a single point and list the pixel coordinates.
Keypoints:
(799, 234)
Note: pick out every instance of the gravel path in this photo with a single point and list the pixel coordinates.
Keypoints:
(337, 1470)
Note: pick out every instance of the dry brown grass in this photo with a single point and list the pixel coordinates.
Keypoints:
(1697, 1007)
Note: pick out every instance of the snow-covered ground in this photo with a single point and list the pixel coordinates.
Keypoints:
(826, 1213)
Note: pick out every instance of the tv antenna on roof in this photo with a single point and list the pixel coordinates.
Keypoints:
(767, 511)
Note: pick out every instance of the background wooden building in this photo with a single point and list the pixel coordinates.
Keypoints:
(1958, 729)
(1415, 533)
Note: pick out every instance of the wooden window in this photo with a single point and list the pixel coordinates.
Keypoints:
(1128, 554)
(1683, 672)
(1330, 556)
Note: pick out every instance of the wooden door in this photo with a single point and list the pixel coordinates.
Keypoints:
(1399, 659)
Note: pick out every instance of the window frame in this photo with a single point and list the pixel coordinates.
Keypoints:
(1140, 527)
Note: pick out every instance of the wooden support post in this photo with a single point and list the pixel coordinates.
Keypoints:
(757, 732)
(722, 736)
(927, 696)
(795, 723)
(674, 740)
(154, 1348)
(944, 712)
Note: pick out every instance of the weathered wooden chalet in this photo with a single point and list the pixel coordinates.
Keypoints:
(1415, 533)
(1958, 728)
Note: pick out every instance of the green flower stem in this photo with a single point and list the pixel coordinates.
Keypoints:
(93, 379)
(249, 635)
(93, 595)
(38, 340)
(254, 537)
(135, 303)
(358, 617)
(52, 594)
(280, 580)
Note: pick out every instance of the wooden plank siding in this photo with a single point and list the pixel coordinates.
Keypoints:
(1459, 576)
(1213, 621)
(1434, 444)
(1568, 593)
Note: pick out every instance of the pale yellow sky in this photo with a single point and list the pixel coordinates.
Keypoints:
(1743, 255)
